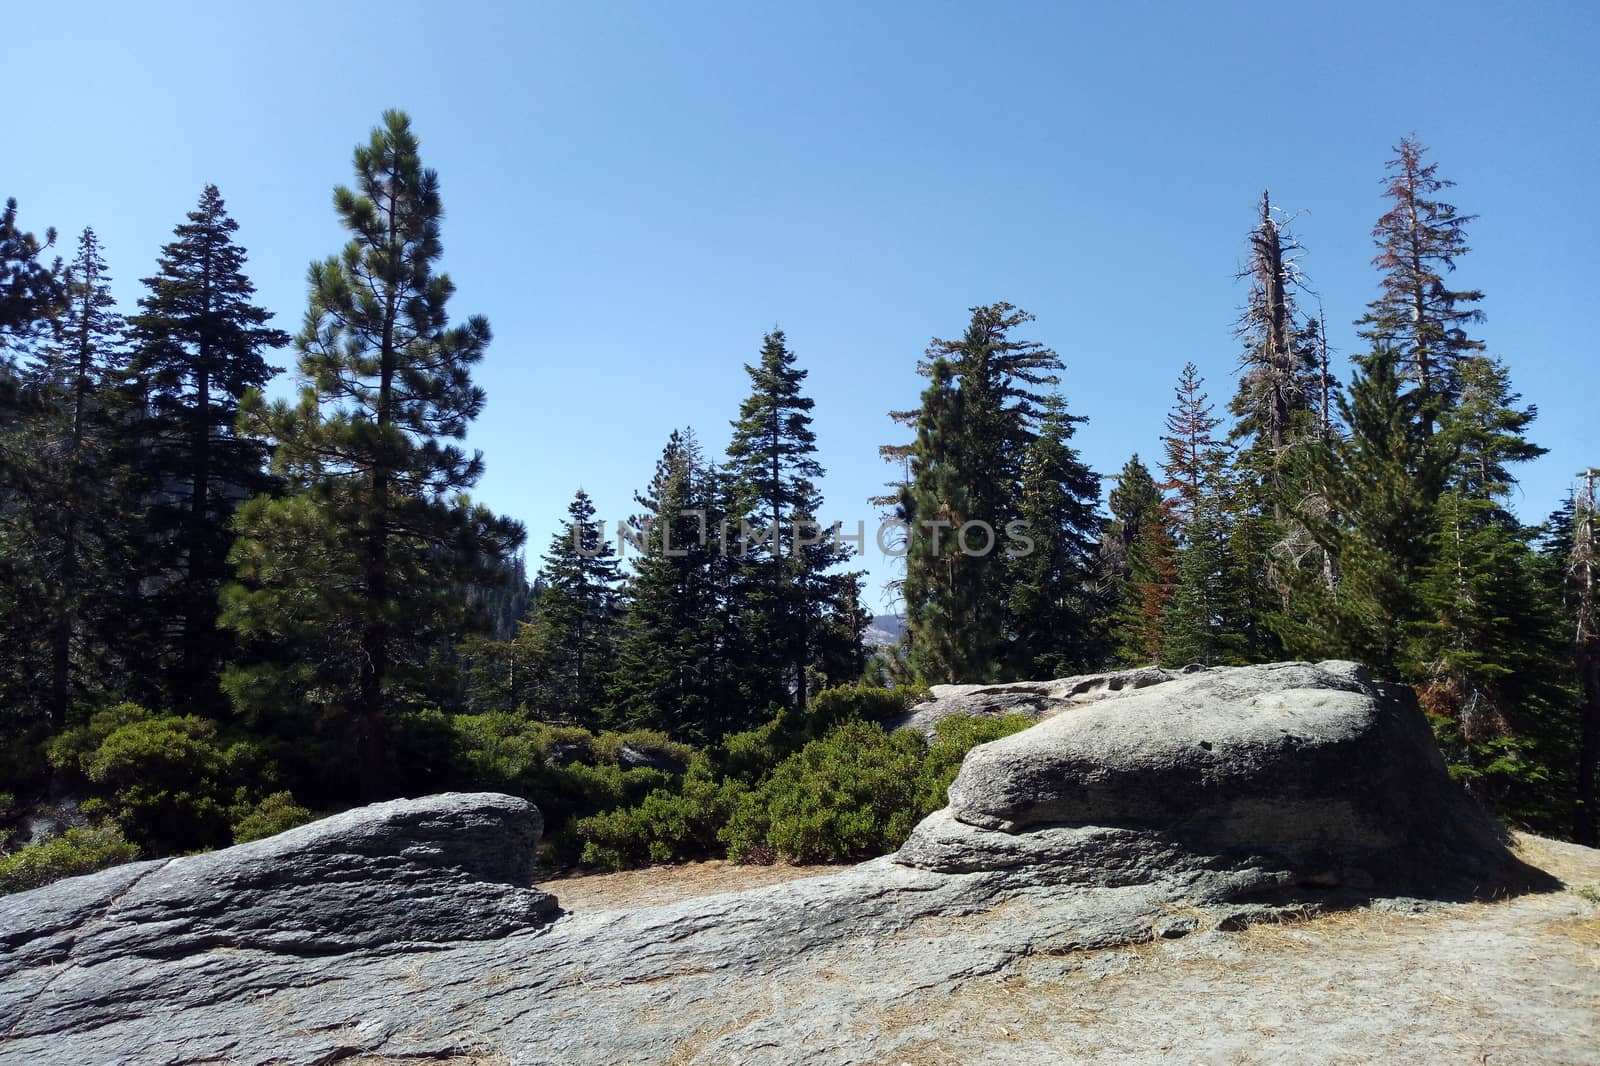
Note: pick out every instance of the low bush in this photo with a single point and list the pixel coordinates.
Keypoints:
(77, 851)
(273, 815)
(668, 825)
(953, 738)
(849, 795)
(170, 782)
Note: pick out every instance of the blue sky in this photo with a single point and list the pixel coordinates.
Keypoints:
(636, 192)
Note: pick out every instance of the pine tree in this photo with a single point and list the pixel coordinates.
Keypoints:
(675, 664)
(573, 631)
(199, 349)
(1190, 446)
(976, 423)
(31, 291)
(952, 632)
(64, 532)
(1417, 316)
(1207, 619)
(1282, 383)
(1138, 559)
(1052, 601)
(351, 583)
(1133, 500)
(787, 587)
(841, 654)
(1382, 487)
(1583, 620)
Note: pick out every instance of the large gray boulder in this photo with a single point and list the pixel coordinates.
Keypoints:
(437, 870)
(407, 931)
(1289, 777)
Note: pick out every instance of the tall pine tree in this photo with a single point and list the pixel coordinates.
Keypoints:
(199, 347)
(352, 582)
(573, 631)
(1053, 604)
(1418, 316)
(1382, 486)
(65, 529)
(977, 421)
(672, 666)
(787, 585)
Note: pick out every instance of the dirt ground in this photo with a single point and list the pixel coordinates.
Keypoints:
(656, 885)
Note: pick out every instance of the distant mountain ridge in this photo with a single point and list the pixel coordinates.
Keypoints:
(884, 631)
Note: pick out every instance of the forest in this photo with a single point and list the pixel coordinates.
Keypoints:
(224, 614)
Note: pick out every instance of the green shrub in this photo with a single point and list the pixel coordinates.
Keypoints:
(953, 738)
(77, 851)
(751, 755)
(650, 741)
(168, 781)
(865, 702)
(667, 825)
(849, 795)
(271, 816)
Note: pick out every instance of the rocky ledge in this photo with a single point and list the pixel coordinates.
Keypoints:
(408, 930)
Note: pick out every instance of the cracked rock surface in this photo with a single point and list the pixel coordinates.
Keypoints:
(1149, 812)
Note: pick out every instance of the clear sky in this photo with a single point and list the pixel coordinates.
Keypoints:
(636, 192)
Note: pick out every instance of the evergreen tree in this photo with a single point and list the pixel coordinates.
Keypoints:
(31, 291)
(1417, 316)
(63, 534)
(1583, 623)
(841, 653)
(675, 666)
(952, 632)
(977, 420)
(573, 631)
(1139, 559)
(1134, 499)
(1282, 382)
(1052, 600)
(1282, 406)
(351, 583)
(1382, 487)
(199, 349)
(787, 586)
(1190, 446)
(1206, 621)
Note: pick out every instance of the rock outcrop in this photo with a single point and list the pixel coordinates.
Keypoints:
(408, 930)
(1035, 699)
(437, 870)
(1288, 777)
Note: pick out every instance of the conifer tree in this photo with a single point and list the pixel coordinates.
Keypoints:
(350, 585)
(574, 628)
(952, 632)
(1133, 500)
(1052, 601)
(1382, 484)
(841, 652)
(1282, 381)
(786, 589)
(1417, 316)
(199, 347)
(1145, 596)
(1207, 619)
(64, 533)
(31, 291)
(1191, 446)
(974, 427)
(674, 664)
(1583, 623)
